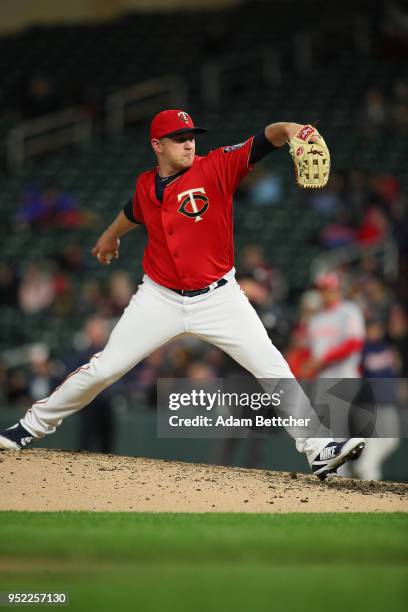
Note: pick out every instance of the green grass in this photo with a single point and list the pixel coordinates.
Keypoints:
(209, 562)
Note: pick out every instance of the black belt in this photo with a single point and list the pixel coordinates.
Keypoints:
(187, 293)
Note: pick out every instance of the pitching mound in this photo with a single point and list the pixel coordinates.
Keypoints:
(41, 480)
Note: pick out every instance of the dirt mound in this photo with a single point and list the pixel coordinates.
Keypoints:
(41, 480)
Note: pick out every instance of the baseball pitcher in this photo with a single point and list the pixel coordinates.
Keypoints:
(189, 287)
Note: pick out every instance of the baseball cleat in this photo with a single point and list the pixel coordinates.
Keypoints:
(15, 438)
(334, 455)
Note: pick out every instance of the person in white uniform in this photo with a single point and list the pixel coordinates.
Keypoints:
(189, 286)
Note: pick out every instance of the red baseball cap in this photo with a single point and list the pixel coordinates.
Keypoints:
(329, 280)
(172, 123)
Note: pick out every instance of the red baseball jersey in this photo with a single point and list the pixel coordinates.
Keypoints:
(190, 234)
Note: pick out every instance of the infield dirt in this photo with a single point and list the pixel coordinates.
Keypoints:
(41, 480)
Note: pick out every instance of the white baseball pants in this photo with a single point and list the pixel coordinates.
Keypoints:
(155, 315)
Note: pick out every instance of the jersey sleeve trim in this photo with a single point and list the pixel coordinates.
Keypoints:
(128, 212)
(249, 162)
(260, 147)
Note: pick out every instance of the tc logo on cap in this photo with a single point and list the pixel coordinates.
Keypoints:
(183, 116)
(173, 122)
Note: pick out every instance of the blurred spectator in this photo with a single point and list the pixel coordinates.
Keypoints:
(310, 304)
(50, 208)
(367, 213)
(355, 279)
(37, 289)
(385, 190)
(263, 188)
(374, 226)
(218, 361)
(93, 337)
(338, 233)
(378, 361)
(298, 351)
(327, 202)
(335, 334)
(398, 333)
(121, 290)
(265, 287)
(375, 299)
(30, 208)
(375, 110)
(58, 209)
(178, 358)
(257, 293)
(379, 366)
(268, 283)
(71, 258)
(42, 377)
(92, 299)
(64, 297)
(146, 374)
(97, 422)
(197, 370)
(368, 268)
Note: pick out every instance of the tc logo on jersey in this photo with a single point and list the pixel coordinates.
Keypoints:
(183, 116)
(194, 203)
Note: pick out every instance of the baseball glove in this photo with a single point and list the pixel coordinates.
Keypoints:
(311, 158)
